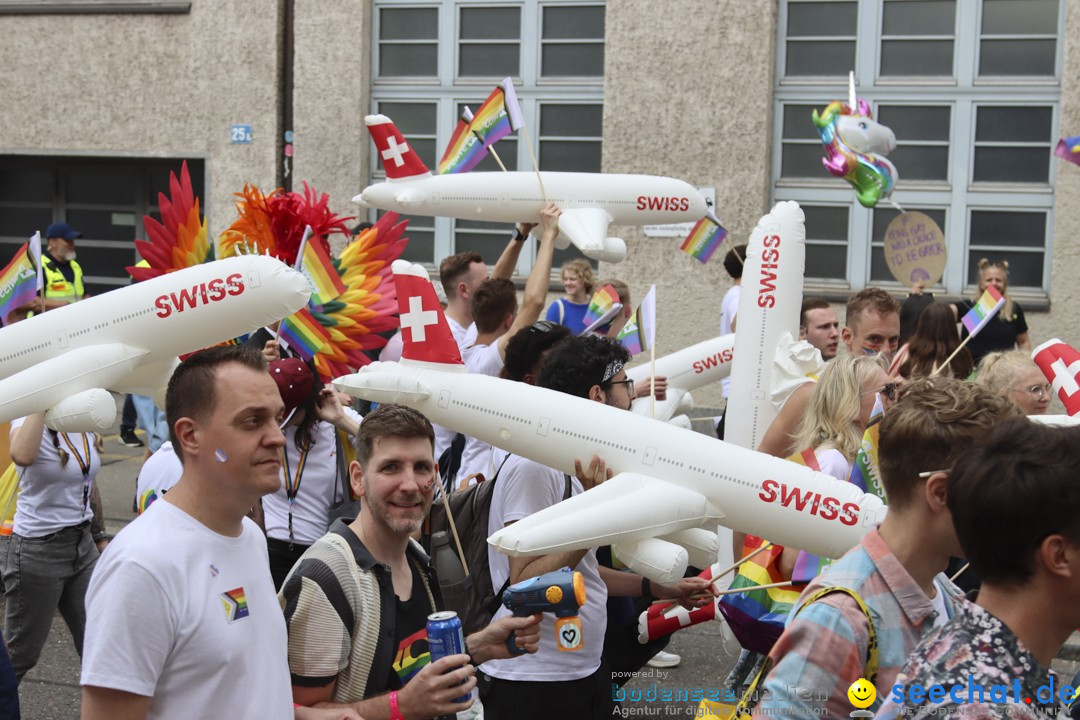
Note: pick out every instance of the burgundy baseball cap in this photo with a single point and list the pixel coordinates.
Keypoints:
(294, 381)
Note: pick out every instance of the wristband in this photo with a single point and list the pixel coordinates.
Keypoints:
(519, 236)
(646, 589)
(395, 712)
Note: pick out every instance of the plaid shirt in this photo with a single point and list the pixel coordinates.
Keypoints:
(824, 649)
(975, 650)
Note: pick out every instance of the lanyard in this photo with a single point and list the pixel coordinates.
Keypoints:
(84, 465)
(292, 485)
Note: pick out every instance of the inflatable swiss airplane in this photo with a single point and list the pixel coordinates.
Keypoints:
(128, 340)
(671, 485)
(589, 201)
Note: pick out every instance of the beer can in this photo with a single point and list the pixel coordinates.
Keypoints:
(446, 637)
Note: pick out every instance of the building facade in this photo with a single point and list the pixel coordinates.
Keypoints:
(102, 99)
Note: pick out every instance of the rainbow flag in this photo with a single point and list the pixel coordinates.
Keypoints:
(601, 301)
(464, 151)
(757, 617)
(235, 603)
(303, 333)
(983, 311)
(1069, 149)
(499, 116)
(864, 472)
(639, 333)
(704, 238)
(326, 284)
(19, 280)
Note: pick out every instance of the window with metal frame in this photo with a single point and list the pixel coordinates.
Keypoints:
(971, 90)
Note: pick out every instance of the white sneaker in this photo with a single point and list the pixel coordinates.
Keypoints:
(664, 660)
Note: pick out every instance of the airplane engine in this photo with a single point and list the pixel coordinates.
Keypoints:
(561, 242)
(614, 251)
(89, 411)
(659, 560)
(410, 197)
(701, 544)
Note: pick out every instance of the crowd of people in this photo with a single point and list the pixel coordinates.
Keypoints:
(269, 574)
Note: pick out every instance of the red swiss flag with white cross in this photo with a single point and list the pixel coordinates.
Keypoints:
(396, 155)
(1060, 363)
(425, 334)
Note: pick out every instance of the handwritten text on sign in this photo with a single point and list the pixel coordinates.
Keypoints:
(915, 249)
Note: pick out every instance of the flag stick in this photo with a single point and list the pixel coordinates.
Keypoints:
(491, 149)
(959, 572)
(949, 359)
(729, 591)
(716, 578)
(453, 529)
(652, 380)
(532, 156)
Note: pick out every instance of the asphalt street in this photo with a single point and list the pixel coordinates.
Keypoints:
(51, 690)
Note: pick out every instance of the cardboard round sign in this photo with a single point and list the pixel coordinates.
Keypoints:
(915, 249)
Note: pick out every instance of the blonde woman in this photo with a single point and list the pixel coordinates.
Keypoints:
(1008, 329)
(1014, 375)
(578, 281)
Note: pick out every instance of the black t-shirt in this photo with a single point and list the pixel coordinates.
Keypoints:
(410, 633)
(999, 334)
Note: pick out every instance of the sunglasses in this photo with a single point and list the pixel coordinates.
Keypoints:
(888, 390)
(542, 326)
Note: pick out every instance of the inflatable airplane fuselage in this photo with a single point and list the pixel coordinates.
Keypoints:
(128, 339)
(668, 479)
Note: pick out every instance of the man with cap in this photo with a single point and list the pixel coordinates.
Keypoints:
(63, 276)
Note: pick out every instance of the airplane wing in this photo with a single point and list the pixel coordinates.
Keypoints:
(652, 507)
(40, 387)
(586, 228)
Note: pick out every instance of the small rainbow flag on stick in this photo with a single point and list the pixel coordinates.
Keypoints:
(314, 261)
(601, 301)
(639, 333)
(499, 116)
(983, 311)
(704, 238)
(1069, 149)
(757, 615)
(19, 281)
(464, 151)
(864, 472)
(303, 333)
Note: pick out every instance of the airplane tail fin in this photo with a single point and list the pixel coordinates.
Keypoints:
(397, 157)
(425, 333)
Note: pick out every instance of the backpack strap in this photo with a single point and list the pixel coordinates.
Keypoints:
(562, 310)
(742, 710)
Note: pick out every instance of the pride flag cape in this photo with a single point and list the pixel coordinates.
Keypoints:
(19, 280)
(464, 151)
(303, 333)
(639, 333)
(601, 301)
(983, 311)
(326, 285)
(1069, 149)
(704, 239)
(757, 617)
(499, 116)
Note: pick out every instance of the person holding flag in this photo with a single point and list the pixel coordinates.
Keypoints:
(1005, 331)
(63, 275)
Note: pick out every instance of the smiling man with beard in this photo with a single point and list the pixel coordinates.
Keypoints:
(357, 602)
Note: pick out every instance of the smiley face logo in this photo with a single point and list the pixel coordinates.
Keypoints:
(862, 693)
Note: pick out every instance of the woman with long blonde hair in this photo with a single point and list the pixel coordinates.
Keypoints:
(1007, 330)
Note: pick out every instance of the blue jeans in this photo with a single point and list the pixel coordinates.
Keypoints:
(42, 575)
(152, 420)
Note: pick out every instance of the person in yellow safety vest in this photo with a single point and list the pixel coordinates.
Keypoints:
(63, 276)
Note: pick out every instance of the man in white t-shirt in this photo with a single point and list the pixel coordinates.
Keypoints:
(523, 688)
(498, 318)
(729, 306)
(182, 618)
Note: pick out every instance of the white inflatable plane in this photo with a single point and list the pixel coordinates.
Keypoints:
(670, 483)
(589, 201)
(686, 370)
(128, 339)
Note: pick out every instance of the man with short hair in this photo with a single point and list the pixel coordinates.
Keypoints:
(819, 326)
(1021, 476)
(63, 276)
(182, 619)
(872, 323)
(357, 602)
(551, 683)
(896, 570)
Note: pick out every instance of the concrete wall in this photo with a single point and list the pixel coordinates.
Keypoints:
(688, 93)
(148, 85)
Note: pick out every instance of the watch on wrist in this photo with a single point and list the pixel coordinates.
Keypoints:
(646, 589)
(519, 236)
(99, 535)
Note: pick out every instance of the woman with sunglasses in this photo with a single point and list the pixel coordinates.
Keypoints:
(52, 551)
(1014, 375)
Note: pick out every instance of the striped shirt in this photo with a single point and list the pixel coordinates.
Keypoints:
(823, 650)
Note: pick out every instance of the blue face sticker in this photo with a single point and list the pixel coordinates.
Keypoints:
(220, 456)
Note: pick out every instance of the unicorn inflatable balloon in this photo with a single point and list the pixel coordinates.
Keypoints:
(855, 146)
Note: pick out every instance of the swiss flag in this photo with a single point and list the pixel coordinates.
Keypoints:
(425, 334)
(396, 155)
(1060, 363)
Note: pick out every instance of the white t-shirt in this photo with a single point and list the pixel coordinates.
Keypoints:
(189, 618)
(524, 488)
(393, 348)
(476, 458)
(157, 476)
(318, 483)
(52, 497)
(728, 308)
(464, 338)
